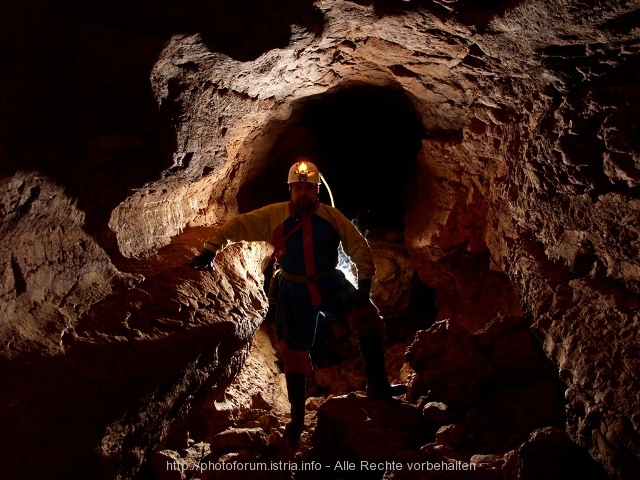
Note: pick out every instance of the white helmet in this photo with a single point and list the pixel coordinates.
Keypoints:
(304, 171)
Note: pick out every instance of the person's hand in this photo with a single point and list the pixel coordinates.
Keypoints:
(203, 260)
(360, 297)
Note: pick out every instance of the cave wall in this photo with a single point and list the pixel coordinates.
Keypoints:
(500, 129)
(580, 185)
(525, 192)
(527, 173)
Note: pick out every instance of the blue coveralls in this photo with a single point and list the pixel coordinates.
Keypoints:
(311, 250)
(296, 311)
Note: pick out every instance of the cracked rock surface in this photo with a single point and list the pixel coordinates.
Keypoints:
(494, 146)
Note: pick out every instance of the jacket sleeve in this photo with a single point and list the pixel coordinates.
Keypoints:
(353, 243)
(254, 226)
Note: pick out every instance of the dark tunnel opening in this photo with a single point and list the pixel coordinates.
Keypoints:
(363, 138)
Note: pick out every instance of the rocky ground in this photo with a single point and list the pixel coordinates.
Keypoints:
(506, 133)
(486, 405)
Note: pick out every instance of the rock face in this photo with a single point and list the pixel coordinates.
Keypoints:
(496, 145)
(129, 365)
(495, 384)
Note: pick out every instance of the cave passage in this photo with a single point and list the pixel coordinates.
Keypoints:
(364, 139)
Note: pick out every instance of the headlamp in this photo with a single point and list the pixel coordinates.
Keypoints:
(302, 172)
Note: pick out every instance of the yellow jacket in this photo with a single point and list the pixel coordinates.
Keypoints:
(264, 224)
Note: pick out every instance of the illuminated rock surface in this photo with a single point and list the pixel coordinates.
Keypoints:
(490, 151)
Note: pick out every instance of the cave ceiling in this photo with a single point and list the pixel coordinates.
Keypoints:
(499, 138)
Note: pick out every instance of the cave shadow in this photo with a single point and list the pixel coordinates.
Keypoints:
(81, 108)
(241, 29)
(364, 139)
(60, 412)
(470, 12)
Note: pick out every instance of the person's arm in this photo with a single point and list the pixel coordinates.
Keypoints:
(253, 226)
(358, 250)
(357, 247)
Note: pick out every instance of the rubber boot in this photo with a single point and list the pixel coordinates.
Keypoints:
(374, 368)
(296, 392)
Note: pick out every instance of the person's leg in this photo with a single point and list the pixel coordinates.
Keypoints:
(370, 330)
(369, 327)
(295, 328)
(297, 365)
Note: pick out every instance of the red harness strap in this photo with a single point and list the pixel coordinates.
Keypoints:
(310, 260)
(279, 240)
